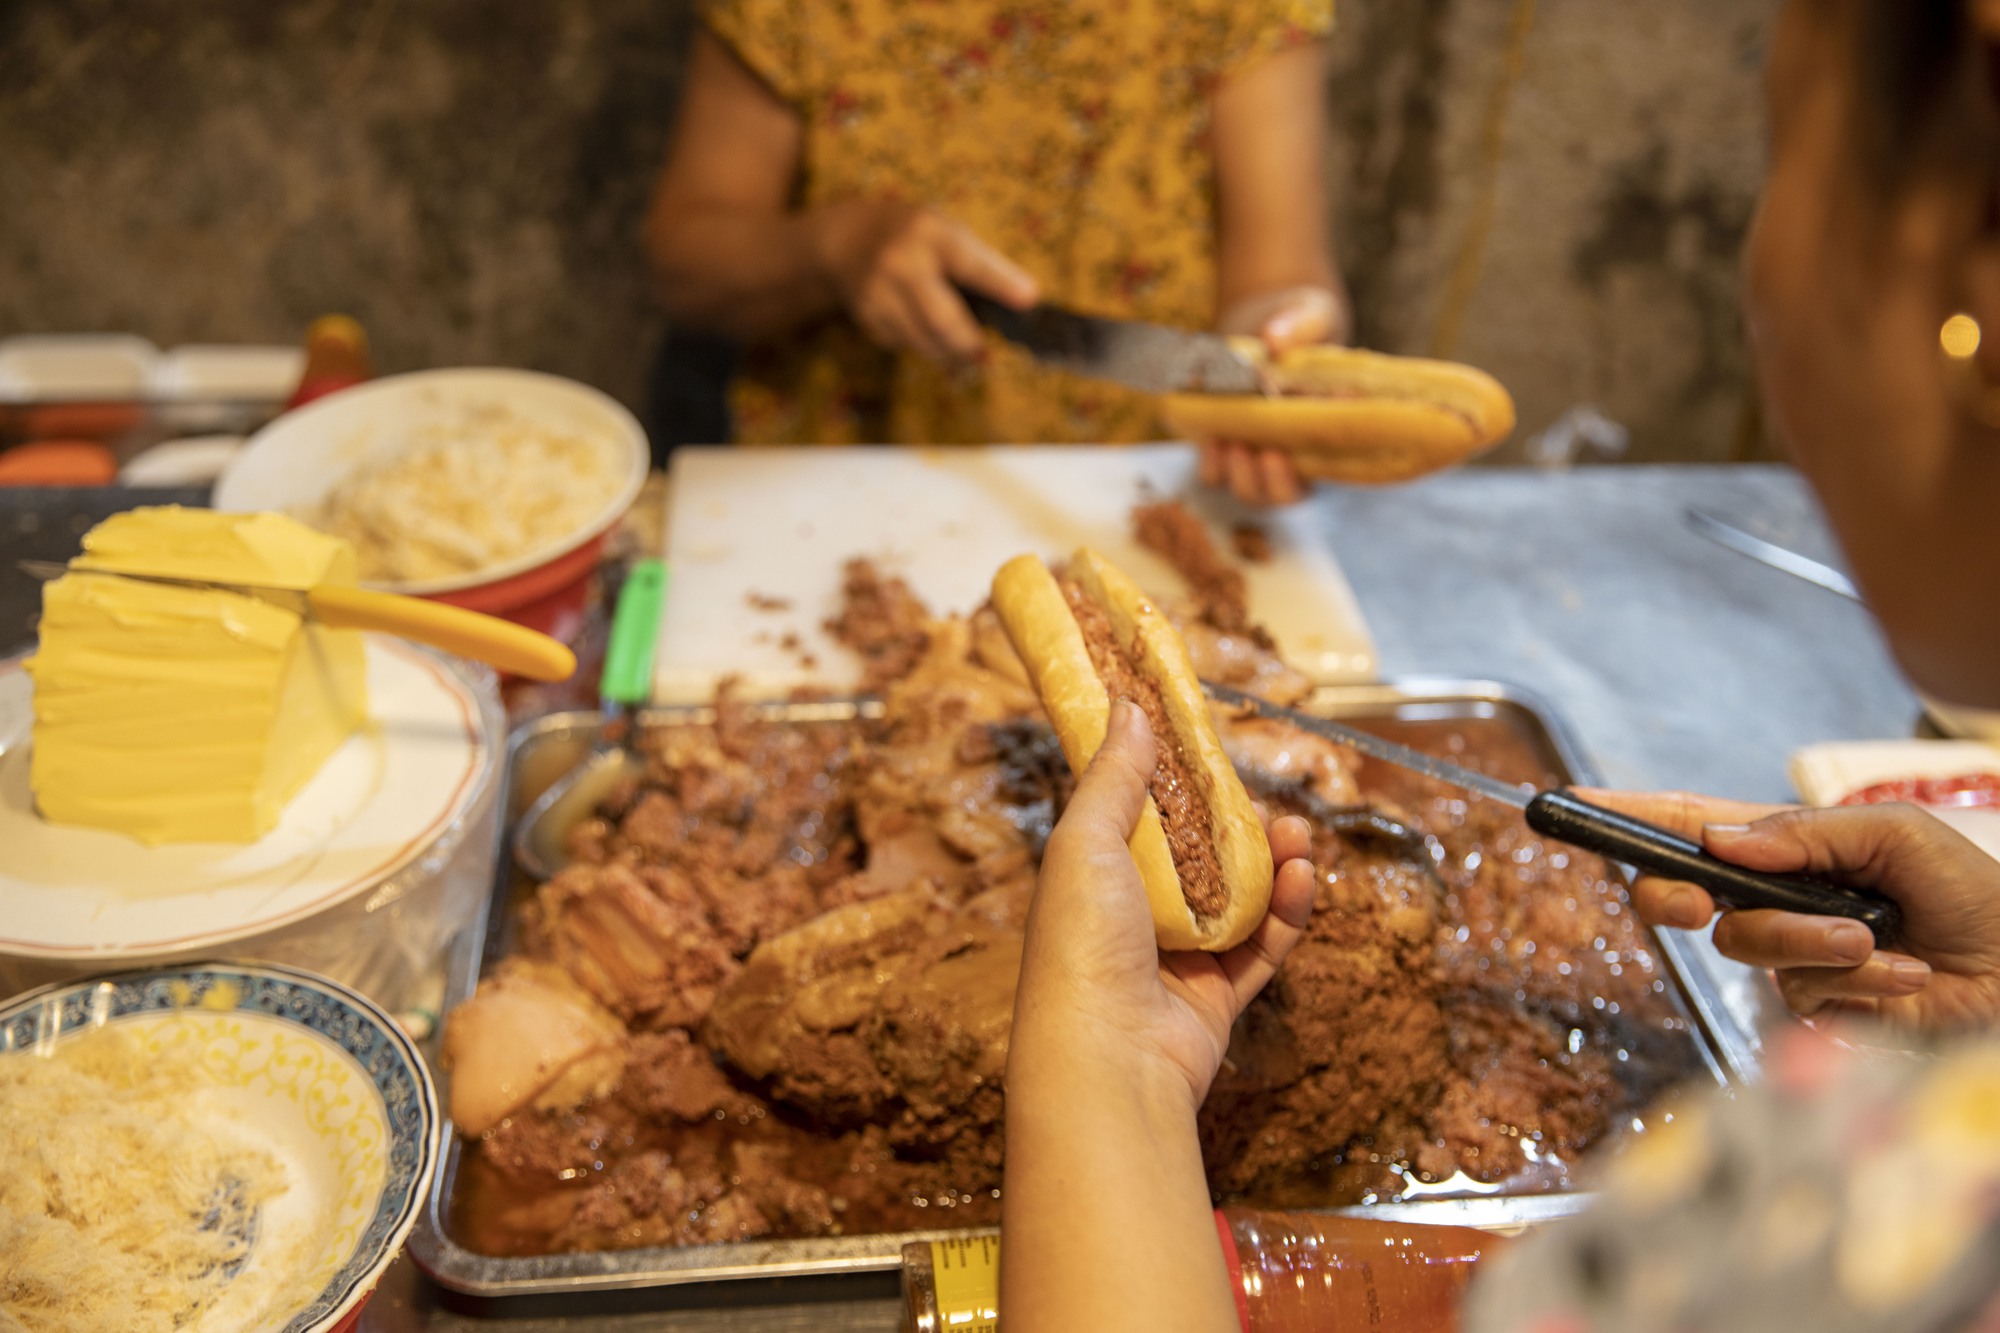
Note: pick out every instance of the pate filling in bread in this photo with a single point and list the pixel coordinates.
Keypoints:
(1183, 807)
(1357, 395)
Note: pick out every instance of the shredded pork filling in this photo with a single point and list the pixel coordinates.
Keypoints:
(1176, 533)
(1183, 805)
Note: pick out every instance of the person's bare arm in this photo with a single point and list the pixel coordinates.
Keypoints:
(731, 255)
(726, 252)
(1268, 129)
(1275, 276)
(1105, 1218)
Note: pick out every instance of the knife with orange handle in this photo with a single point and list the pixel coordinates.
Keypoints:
(489, 639)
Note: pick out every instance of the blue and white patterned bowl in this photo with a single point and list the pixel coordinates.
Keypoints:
(329, 1084)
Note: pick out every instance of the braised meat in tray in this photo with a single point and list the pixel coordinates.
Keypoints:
(771, 995)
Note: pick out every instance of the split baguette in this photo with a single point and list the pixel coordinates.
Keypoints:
(1052, 645)
(1354, 416)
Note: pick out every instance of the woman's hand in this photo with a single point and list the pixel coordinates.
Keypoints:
(1947, 976)
(895, 265)
(1290, 317)
(1091, 974)
(1105, 1206)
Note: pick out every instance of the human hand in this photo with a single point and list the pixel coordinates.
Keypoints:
(1288, 317)
(1092, 976)
(895, 265)
(1946, 977)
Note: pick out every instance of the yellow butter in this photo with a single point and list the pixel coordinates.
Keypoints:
(270, 550)
(189, 714)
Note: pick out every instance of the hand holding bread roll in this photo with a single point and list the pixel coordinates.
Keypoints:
(1353, 416)
(1092, 636)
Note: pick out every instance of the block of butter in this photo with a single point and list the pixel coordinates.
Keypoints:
(189, 714)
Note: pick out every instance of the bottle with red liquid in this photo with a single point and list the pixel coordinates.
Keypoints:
(336, 357)
(1289, 1272)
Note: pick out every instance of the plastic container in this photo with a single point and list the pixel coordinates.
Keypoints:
(197, 371)
(1293, 1272)
(76, 387)
(391, 936)
(1289, 1273)
(80, 367)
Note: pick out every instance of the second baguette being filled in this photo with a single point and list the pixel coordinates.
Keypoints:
(1352, 416)
(1091, 636)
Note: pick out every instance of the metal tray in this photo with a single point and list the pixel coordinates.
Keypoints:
(1724, 1010)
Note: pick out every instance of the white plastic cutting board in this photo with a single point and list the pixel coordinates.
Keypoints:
(777, 525)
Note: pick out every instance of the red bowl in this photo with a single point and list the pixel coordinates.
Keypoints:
(296, 459)
(551, 598)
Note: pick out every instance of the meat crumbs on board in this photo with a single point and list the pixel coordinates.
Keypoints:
(811, 933)
(1177, 534)
(882, 621)
(1251, 542)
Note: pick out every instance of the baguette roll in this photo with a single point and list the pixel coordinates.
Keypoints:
(1354, 416)
(1092, 637)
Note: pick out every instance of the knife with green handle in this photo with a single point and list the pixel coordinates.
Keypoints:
(626, 683)
(635, 634)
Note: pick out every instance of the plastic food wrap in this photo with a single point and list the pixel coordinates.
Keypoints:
(392, 939)
(1857, 1190)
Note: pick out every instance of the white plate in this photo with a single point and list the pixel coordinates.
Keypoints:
(779, 523)
(293, 462)
(382, 798)
(195, 461)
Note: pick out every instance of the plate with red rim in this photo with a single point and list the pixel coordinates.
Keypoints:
(383, 799)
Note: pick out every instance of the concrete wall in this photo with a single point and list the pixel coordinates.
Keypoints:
(463, 176)
(1555, 189)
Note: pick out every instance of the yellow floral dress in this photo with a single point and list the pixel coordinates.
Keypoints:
(1070, 136)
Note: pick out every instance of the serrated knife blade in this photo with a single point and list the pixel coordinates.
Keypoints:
(1375, 746)
(1151, 358)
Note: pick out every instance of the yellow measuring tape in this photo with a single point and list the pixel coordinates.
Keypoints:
(966, 1270)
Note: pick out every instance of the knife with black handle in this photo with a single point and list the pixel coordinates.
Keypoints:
(1151, 358)
(1645, 847)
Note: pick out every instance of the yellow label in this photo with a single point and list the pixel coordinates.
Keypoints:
(966, 1270)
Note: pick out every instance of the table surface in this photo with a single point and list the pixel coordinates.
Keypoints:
(48, 523)
(1676, 663)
